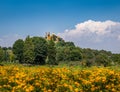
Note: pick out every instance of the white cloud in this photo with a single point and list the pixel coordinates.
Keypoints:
(91, 33)
(8, 40)
(118, 37)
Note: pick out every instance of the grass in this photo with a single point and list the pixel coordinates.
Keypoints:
(61, 65)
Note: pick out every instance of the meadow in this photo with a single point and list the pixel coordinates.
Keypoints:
(19, 78)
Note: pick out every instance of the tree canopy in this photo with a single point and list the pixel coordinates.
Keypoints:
(40, 50)
(18, 49)
(28, 50)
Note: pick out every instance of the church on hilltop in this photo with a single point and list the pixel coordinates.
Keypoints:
(53, 37)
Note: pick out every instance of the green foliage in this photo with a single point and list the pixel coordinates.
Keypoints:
(28, 50)
(18, 50)
(69, 44)
(97, 57)
(1, 54)
(37, 50)
(88, 53)
(76, 54)
(40, 50)
(68, 53)
(60, 44)
(116, 58)
(11, 56)
(102, 59)
(60, 54)
(51, 58)
(6, 55)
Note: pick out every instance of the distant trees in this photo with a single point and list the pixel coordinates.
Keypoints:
(11, 55)
(60, 44)
(76, 54)
(1, 54)
(97, 57)
(18, 50)
(103, 59)
(28, 50)
(32, 50)
(6, 54)
(116, 58)
(51, 55)
(40, 50)
(68, 53)
(69, 44)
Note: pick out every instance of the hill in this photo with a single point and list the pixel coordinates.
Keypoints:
(53, 50)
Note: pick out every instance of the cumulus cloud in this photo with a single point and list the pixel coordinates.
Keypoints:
(8, 40)
(118, 37)
(95, 34)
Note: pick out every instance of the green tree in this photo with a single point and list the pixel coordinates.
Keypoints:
(28, 50)
(6, 55)
(18, 49)
(40, 50)
(69, 44)
(75, 54)
(68, 53)
(88, 53)
(103, 59)
(51, 58)
(116, 58)
(60, 44)
(11, 56)
(59, 54)
(1, 54)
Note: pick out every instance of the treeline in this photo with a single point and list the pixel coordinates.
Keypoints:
(38, 50)
(72, 55)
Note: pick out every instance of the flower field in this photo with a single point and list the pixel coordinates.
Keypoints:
(45, 79)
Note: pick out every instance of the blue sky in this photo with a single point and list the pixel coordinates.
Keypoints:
(19, 18)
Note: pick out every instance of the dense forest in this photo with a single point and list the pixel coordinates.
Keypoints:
(53, 50)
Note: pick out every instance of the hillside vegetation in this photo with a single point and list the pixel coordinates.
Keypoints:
(53, 50)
